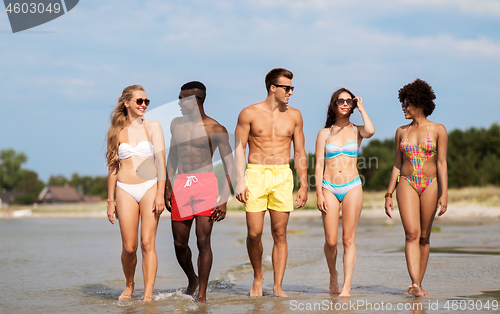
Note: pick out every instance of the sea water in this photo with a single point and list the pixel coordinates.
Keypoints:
(56, 265)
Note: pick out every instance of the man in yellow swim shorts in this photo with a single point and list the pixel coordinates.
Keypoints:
(269, 128)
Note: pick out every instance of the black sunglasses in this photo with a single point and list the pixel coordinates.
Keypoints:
(286, 87)
(139, 101)
(404, 104)
(341, 101)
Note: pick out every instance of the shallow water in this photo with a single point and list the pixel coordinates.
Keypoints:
(73, 265)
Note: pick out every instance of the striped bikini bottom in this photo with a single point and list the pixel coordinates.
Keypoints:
(340, 190)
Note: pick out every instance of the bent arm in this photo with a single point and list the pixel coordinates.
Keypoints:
(367, 129)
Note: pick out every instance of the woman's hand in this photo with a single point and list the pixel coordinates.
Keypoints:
(389, 207)
(442, 205)
(159, 205)
(359, 103)
(168, 200)
(112, 212)
(321, 203)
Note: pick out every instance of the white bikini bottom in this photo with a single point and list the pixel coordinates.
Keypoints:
(137, 191)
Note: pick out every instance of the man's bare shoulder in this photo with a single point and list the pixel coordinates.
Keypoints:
(214, 126)
(249, 113)
(252, 109)
(295, 113)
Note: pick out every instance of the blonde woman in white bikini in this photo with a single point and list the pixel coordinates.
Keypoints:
(136, 161)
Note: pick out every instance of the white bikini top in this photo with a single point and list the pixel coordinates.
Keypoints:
(143, 149)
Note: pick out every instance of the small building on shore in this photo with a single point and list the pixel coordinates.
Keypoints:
(6, 197)
(59, 194)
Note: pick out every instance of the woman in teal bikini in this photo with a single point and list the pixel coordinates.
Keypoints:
(338, 182)
(421, 170)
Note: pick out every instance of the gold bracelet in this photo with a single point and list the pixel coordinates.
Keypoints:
(388, 195)
(111, 201)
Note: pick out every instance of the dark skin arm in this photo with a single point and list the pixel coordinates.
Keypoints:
(221, 139)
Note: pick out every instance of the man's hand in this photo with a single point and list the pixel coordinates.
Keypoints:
(301, 198)
(241, 192)
(219, 213)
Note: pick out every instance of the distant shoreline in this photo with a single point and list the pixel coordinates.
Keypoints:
(467, 203)
(455, 212)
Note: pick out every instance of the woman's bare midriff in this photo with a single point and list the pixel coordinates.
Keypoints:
(135, 170)
(340, 170)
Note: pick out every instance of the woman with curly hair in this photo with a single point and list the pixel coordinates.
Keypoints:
(134, 145)
(338, 182)
(422, 172)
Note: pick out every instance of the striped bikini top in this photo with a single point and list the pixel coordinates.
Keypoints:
(142, 149)
(350, 149)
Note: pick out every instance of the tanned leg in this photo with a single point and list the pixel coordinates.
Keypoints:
(428, 208)
(331, 226)
(279, 222)
(351, 210)
(255, 224)
(409, 209)
(149, 226)
(128, 214)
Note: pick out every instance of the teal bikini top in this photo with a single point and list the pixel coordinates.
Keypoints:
(350, 149)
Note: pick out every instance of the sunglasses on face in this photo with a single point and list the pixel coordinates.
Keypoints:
(139, 101)
(341, 101)
(405, 104)
(286, 87)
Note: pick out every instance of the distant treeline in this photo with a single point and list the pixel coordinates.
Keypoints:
(473, 160)
(14, 178)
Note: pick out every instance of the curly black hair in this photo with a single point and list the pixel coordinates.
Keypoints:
(419, 94)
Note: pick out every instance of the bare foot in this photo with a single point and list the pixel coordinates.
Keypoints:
(424, 292)
(191, 288)
(334, 284)
(256, 290)
(346, 292)
(147, 298)
(201, 299)
(127, 293)
(415, 290)
(278, 292)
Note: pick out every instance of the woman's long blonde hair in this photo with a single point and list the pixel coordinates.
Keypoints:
(118, 121)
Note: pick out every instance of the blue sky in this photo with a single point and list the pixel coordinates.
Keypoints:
(60, 80)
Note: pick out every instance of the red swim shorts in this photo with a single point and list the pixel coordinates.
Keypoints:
(194, 195)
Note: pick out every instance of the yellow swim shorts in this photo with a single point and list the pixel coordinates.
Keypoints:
(269, 186)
